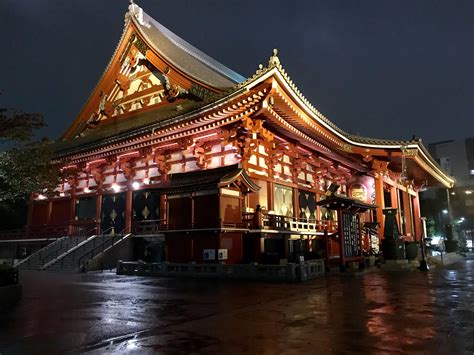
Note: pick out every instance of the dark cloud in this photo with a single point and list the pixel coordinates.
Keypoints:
(387, 69)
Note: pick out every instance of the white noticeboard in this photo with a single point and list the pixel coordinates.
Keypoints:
(222, 254)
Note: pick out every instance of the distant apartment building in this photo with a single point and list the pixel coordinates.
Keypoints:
(456, 157)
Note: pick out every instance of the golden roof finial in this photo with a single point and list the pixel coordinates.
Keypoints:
(274, 60)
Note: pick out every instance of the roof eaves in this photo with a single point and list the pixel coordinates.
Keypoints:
(274, 62)
(149, 128)
(144, 21)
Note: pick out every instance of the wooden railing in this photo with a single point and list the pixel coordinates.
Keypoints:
(250, 220)
(148, 227)
(277, 222)
(77, 229)
(83, 228)
(13, 234)
(43, 231)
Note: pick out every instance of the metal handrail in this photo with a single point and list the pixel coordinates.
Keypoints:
(38, 252)
(58, 247)
(119, 236)
(73, 252)
(56, 252)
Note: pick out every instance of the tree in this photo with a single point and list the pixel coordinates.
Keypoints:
(25, 170)
(25, 163)
(17, 126)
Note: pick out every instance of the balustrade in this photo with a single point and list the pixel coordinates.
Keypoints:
(148, 227)
(277, 222)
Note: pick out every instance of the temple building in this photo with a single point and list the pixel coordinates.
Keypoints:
(198, 163)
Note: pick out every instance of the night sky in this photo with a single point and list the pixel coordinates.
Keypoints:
(385, 69)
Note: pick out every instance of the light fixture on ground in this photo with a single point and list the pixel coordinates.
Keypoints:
(445, 211)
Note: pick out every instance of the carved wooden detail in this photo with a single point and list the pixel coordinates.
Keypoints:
(127, 166)
(98, 173)
(163, 166)
(380, 166)
(201, 151)
(184, 143)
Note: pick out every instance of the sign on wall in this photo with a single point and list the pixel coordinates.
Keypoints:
(209, 254)
(358, 192)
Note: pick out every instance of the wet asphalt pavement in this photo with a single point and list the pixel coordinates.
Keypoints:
(372, 313)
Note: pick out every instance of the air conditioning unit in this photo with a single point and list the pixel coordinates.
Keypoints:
(209, 254)
(222, 254)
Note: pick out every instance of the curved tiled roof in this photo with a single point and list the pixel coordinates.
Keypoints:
(180, 53)
(275, 63)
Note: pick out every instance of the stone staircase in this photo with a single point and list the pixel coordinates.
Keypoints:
(74, 258)
(45, 255)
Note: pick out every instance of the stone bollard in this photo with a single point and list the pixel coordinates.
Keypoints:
(119, 267)
(303, 275)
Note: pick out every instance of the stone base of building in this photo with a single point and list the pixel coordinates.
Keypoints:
(445, 259)
(400, 265)
(291, 272)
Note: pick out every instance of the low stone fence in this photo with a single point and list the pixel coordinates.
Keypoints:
(283, 273)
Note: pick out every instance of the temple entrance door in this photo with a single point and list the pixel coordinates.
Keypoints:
(146, 211)
(113, 213)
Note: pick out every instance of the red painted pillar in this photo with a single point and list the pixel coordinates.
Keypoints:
(296, 208)
(50, 209)
(380, 203)
(270, 198)
(128, 207)
(417, 217)
(98, 207)
(72, 211)
(407, 214)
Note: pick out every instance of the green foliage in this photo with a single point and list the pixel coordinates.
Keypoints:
(18, 126)
(26, 168)
(431, 227)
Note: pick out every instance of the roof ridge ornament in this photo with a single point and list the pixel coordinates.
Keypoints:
(137, 12)
(274, 60)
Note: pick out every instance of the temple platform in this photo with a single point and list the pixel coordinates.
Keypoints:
(400, 265)
(445, 259)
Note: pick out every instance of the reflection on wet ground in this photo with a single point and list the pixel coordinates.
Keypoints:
(373, 313)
